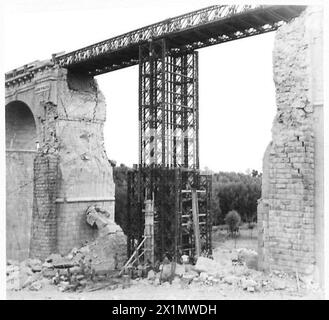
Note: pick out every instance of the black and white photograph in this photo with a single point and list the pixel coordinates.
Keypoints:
(164, 150)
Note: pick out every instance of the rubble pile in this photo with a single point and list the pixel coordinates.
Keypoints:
(34, 274)
(79, 271)
(99, 258)
(236, 276)
(248, 257)
(71, 272)
(108, 251)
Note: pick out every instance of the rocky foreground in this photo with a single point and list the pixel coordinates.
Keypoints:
(231, 275)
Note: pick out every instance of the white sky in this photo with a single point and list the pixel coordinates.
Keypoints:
(236, 90)
(237, 101)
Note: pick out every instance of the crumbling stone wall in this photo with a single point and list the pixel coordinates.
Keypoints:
(25, 100)
(44, 218)
(287, 212)
(69, 112)
(85, 172)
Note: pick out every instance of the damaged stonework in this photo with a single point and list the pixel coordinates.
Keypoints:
(99, 217)
(290, 207)
(27, 103)
(85, 172)
(70, 170)
(108, 251)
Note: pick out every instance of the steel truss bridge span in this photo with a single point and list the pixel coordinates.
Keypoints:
(184, 33)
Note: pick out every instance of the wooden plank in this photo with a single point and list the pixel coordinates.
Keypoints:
(133, 255)
(195, 214)
(149, 231)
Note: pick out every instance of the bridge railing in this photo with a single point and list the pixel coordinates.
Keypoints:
(156, 30)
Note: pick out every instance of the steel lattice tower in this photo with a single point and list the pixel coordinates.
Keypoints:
(168, 152)
(168, 107)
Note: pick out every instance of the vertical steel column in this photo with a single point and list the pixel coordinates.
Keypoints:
(169, 146)
(140, 104)
(196, 97)
(163, 101)
(185, 111)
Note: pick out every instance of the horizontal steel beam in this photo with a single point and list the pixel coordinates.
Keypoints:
(187, 32)
(184, 33)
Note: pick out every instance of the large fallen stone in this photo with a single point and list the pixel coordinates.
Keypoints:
(64, 264)
(48, 273)
(179, 270)
(47, 265)
(203, 276)
(31, 279)
(151, 275)
(278, 284)
(109, 251)
(34, 264)
(248, 283)
(207, 265)
(11, 268)
(35, 286)
(12, 281)
(249, 257)
(232, 280)
(102, 219)
(75, 270)
(54, 257)
(16, 279)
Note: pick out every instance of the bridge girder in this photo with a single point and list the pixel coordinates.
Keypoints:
(185, 33)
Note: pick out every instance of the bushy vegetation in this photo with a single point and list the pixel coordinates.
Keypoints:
(233, 219)
(120, 177)
(235, 191)
(230, 191)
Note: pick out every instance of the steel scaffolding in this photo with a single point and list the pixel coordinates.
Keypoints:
(168, 167)
(171, 190)
(168, 107)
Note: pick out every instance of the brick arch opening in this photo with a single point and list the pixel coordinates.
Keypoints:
(21, 137)
(21, 131)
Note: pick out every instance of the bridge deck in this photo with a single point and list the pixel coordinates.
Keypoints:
(187, 32)
(194, 30)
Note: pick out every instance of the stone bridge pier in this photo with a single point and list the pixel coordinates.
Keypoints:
(291, 210)
(56, 161)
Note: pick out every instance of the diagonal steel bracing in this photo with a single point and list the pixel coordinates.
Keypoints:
(187, 32)
(168, 107)
(169, 155)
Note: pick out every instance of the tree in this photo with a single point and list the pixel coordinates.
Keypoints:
(233, 219)
(235, 191)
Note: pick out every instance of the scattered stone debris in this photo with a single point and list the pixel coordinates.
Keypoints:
(207, 265)
(78, 271)
(248, 257)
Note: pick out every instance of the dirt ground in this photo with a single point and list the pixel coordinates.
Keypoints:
(144, 291)
(221, 290)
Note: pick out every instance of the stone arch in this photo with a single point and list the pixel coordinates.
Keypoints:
(21, 129)
(21, 149)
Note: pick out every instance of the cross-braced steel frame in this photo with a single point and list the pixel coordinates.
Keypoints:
(168, 107)
(169, 153)
(171, 190)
